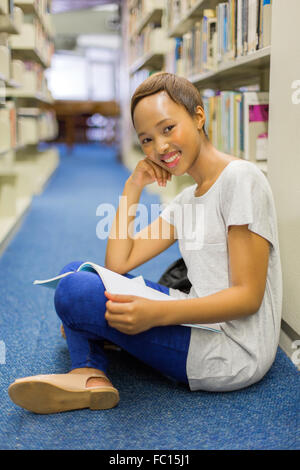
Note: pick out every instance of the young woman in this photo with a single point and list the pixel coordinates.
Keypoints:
(234, 268)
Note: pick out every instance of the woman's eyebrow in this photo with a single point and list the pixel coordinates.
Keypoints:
(156, 125)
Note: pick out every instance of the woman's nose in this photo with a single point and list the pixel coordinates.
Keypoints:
(162, 147)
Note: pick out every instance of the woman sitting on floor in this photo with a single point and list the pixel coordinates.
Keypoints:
(225, 225)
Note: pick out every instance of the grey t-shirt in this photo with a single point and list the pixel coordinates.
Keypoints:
(245, 349)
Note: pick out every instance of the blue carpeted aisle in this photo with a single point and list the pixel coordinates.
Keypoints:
(153, 413)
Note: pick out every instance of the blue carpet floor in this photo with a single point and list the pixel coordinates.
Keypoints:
(153, 412)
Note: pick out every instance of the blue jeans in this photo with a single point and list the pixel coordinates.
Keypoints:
(81, 304)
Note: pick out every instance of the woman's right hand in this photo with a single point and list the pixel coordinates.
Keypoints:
(147, 172)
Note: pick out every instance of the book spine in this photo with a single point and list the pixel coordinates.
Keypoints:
(239, 27)
(226, 30)
(256, 25)
(260, 23)
(266, 27)
(235, 28)
(233, 44)
(193, 48)
(222, 31)
(250, 24)
(219, 34)
(229, 26)
(241, 125)
(212, 31)
(204, 42)
(245, 27)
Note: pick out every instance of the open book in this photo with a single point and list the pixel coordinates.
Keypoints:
(118, 284)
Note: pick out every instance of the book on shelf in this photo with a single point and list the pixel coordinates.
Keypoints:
(208, 15)
(118, 284)
(256, 115)
(233, 29)
(266, 22)
(212, 44)
(237, 123)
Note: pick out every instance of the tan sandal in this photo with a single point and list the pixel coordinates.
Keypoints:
(62, 392)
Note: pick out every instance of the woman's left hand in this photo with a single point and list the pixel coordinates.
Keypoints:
(129, 314)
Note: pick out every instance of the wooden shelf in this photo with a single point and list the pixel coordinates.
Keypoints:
(237, 69)
(153, 60)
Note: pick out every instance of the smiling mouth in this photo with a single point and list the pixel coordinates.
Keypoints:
(172, 160)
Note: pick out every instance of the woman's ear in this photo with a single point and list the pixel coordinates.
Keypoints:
(200, 117)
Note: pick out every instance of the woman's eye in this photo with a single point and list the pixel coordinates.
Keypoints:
(169, 127)
(144, 141)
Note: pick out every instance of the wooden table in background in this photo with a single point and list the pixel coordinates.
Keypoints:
(69, 112)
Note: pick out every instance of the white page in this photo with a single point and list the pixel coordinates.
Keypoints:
(118, 284)
(139, 279)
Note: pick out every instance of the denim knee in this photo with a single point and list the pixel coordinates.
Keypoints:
(79, 299)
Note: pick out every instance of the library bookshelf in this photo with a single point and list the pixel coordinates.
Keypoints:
(251, 61)
(26, 46)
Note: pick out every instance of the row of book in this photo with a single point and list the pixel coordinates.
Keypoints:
(234, 29)
(237, 123)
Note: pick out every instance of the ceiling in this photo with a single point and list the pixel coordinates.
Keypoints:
(59, 6)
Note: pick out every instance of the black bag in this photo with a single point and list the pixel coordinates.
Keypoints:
(176, 277)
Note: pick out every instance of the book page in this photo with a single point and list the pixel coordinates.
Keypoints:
(53, 281)
(118, 284)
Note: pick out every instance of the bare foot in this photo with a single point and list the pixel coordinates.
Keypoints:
(93, 381)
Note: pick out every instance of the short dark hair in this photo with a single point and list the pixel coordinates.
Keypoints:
(179, 89)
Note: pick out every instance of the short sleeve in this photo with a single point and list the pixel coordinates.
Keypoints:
(246, 199)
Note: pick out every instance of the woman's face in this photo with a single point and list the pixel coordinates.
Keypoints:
(168, 135)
